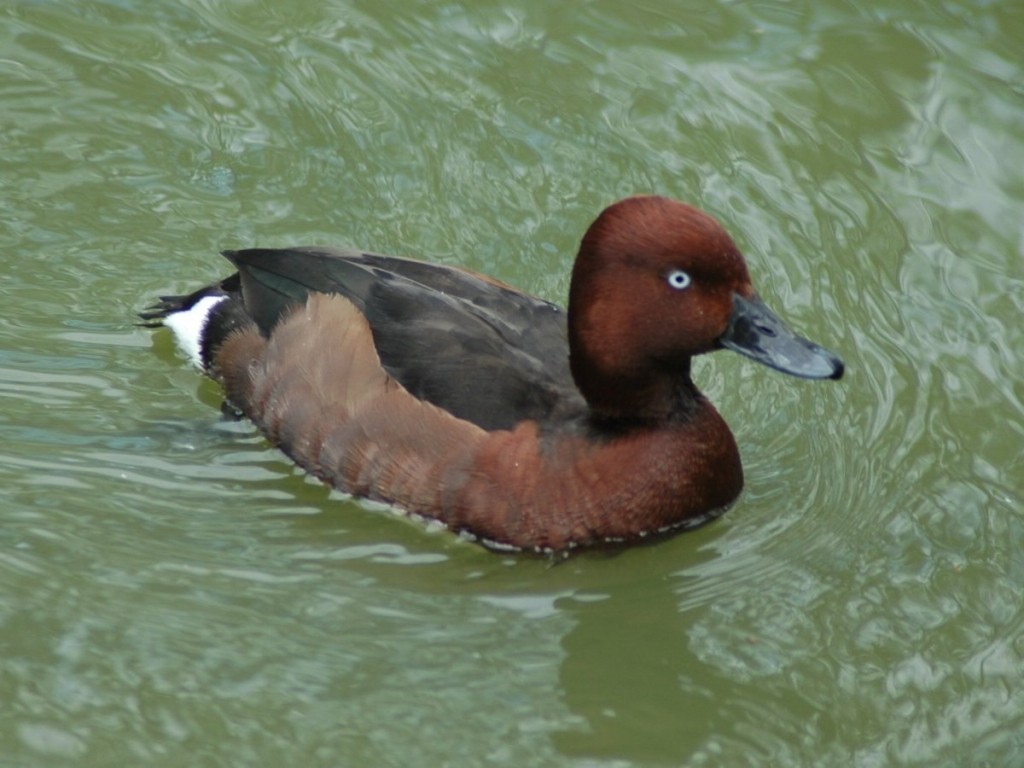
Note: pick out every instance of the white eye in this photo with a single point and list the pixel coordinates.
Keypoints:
(678, 279)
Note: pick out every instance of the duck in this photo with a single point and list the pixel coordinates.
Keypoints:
(513, 422)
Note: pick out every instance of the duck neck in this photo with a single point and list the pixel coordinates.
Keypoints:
(638, 395)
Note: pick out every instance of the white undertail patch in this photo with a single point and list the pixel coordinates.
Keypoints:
(189, 324)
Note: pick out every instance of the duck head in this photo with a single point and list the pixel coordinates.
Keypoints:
(656, 282)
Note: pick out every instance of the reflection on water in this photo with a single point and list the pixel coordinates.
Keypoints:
(173, 591)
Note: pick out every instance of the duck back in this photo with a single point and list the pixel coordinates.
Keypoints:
(463, 342)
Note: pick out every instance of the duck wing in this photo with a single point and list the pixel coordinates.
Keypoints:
(471, 345)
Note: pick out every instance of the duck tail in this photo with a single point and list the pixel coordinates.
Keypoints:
(200, 320)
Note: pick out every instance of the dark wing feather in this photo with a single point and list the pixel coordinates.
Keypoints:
(470, 345)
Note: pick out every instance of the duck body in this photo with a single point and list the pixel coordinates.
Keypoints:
(460, 399)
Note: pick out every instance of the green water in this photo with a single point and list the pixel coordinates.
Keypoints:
(173, 593)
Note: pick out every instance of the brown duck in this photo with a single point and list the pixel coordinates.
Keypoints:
(460, 399)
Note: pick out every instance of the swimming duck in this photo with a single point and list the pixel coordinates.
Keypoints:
(458, 398)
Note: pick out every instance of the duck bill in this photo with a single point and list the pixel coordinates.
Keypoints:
(758, 333)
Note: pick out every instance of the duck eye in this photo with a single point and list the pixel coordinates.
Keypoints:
(678, 279)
